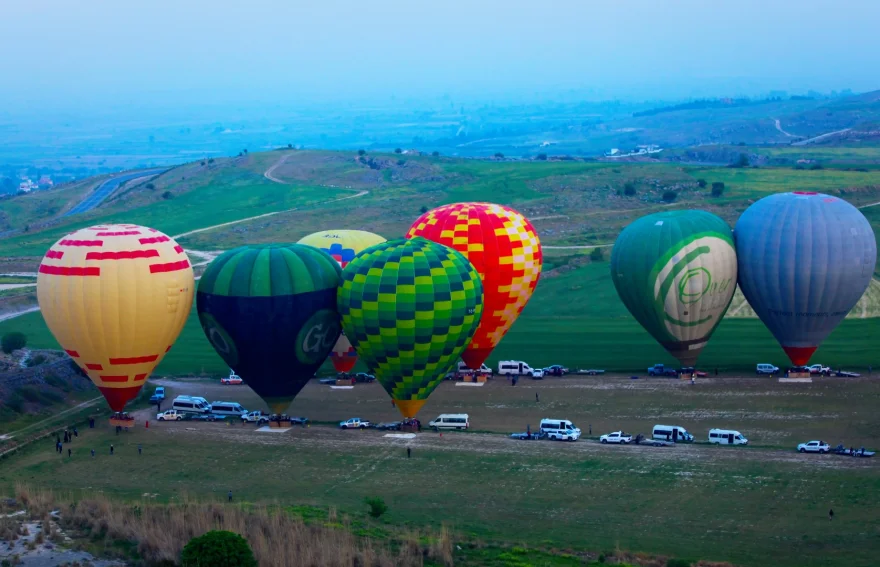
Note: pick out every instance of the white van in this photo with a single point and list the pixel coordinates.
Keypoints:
(727, 437)
(674, 433)
(228, 408)
(189, 404)
(766, 369)
(450, 421)
(560, 429)
(514, 368)
(462, 367)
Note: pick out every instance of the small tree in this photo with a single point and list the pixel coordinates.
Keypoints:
(401, 162)
(541, 157)
(13, 341)
(167, 195)
(377, 506)
(629, 189)
(210, 160)
(423, 209)
(816, 166)
(597, 255)
(717, 188)
(499, 155)
(218, 549)
(398, 151)
(435, 153)
(150, 186)
(669, 196)
(289, 146)
(244, 151)
(701, 183)
(742, 161)
(362, 152)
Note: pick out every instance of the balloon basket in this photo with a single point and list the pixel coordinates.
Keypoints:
(125, 423)
(345, 381)
(279, 424)
(799, 375)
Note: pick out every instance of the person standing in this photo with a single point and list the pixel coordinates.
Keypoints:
(537, 400)
(408, 452)
(830, 514)
(229, 496)
(111, 449)
(75, 432)
(139, 448)
(591, 429)
(93, 453)
(69, 452)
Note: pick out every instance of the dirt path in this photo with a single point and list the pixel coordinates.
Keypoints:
(14, 314)
(54, 417)
(820, 137)
(779, 127)
(268, 173)
(15, 285)
(869, 205)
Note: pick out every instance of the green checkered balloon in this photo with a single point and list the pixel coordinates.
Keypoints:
(410, 307)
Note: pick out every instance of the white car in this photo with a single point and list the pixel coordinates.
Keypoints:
(170, 415)
(814, 447)
(819, 369)
(538, 373)
(766, 369)
(354, 423)
(616, 437)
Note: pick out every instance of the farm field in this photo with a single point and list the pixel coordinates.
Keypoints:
(752, 506)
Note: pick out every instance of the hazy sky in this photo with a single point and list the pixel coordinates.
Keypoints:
(65, 53)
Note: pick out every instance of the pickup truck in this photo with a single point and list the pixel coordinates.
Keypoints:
(661, 370)
(170, 415)
(257, 417)
(354, 423)
(819, 369)
(616, 437)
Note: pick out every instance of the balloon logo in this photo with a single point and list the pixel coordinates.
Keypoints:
(270, 312)
(116, 297)
(505, 250)
(342, 246)
(410, 307)
(676, 273)
(805, 260)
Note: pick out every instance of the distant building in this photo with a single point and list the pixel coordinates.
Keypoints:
(26, 185)
(412, 153)
(45, 181)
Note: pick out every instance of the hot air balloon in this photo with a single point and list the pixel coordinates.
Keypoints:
(116, 297)
(676, 273)
(343, 246)
(269, 310)
(805, 260)
(504, 248)
(410, 307)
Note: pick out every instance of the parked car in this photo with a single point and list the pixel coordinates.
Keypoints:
(819, 369)
(616, 437)
(158, 395)
(727, 437)
(514, 368)
(450, 421)
(662, 370)
(257, 417)
(389, 426)
(673, 433)
(354, 423)
(327, 381)
(232, 380)
(690, 370)
(204, 417)
(463, 368)
(560, 429)
(364, 377)
(814, 447)
(528, 435)
(538, 374)
(299, 421)
(555, 370)
(170, 415)
(766, 369)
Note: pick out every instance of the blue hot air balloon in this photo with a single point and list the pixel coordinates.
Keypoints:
(805, 259)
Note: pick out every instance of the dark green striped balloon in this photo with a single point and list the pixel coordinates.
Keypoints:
(410, 307)
(269, 310)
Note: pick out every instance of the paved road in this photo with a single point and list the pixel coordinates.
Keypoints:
(105, 189)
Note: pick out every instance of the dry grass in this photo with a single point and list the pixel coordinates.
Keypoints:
(277, 538)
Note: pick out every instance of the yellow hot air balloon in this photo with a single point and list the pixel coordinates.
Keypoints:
(116, 297)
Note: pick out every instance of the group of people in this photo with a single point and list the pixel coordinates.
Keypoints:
(69, 434)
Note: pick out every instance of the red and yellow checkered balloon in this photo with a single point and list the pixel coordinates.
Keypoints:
(504, 248)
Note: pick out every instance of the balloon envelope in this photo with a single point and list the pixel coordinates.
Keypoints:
(410, 307)
(269, 310)
(342, 246)
(505, 250)
(116, 297)
(805, 260)
(676, 273)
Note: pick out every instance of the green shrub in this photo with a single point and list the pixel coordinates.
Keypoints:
(597, 255)
(678, 563)
(49, 397)
(401, 162)
(499, 155)
(167, 195)
(377, 506)
(218, 549)
(398, 151)
(29, 393)
(361, 152)
(629, 189)
(669, 196)
(435, 154)
(717, 188)
(701, 183)
(15, 402)
(13, 341)
(816, 166)
(542, 157)
(423, 209)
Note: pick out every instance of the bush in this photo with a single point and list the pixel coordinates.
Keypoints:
(13, 341)
(362, 152)
(629, 189)
(541, 157)
(398, 151)
(401, 162)
(29, 393)
(56, 382)
(210, 160)
(669, 196)
(741, 161)
(701, 183)
(435, 153)
(678, 563)
(423, 209)
(218, 549)
(36, 360)
(499, 155)
(377, 506)
(150, 186)
(15, 402)
(202, 162)
(597, 255)
(816, 166)
(49, 397)
(167, 195)
(717, 188)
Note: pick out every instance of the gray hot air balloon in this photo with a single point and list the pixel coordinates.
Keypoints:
(805, 259)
